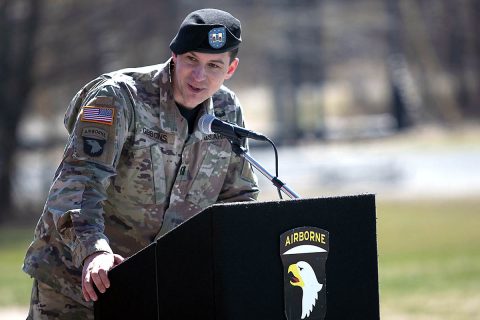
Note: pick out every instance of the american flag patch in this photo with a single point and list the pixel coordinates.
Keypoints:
(98, 115)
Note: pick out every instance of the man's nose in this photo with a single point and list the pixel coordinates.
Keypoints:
(199, 73)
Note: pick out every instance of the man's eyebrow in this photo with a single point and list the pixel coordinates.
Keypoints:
(210, 61)
(217, 61)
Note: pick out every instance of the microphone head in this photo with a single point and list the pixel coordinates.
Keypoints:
(205, 123)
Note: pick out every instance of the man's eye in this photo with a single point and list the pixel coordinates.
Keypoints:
(214, 66)
(191, 58)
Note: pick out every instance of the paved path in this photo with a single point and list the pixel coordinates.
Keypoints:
(13, 313)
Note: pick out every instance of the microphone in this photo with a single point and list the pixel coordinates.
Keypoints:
(208, 124)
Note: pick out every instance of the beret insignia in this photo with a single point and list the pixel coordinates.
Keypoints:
(217, 37)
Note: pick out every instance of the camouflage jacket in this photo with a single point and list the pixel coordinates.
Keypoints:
(131, 172)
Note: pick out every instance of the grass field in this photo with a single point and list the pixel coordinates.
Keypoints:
(15, 285)
(429, 260)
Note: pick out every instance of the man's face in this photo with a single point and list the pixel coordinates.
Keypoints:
(198, 76)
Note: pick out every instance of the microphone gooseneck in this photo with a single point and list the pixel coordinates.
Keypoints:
(208, 124)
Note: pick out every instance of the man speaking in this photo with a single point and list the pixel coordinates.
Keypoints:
(136, 165)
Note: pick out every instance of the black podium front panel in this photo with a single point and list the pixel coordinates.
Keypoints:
(225, 263)
(249, 268)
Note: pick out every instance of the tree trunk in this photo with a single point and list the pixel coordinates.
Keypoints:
(17, 53)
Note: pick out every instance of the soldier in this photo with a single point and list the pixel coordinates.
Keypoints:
(136, 165)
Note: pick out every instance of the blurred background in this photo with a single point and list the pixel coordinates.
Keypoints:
(365, 96)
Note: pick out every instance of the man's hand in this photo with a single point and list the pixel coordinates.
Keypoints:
(95, 268)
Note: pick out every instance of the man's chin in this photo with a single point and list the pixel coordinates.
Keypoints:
(192, 103)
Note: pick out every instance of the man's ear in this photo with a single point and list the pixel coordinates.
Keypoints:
(174, 57)
(231, 68)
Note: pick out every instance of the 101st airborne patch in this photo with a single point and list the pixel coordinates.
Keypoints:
(95, 132)
(94, 140)
(304, 254)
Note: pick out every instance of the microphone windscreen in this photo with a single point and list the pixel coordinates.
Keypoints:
(205, 123)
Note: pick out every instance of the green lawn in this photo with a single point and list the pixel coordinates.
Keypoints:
(429, 260)
(15, 285)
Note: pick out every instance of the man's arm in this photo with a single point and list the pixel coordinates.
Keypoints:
(97, 136)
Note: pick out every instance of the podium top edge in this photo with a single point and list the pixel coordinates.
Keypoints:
(370, 196)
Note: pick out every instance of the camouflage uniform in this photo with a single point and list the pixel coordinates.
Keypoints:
(131, 173)
(47, 303)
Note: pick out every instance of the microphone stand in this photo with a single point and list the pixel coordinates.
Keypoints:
(242, 152)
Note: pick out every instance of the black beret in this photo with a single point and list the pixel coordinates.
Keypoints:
(207, 31)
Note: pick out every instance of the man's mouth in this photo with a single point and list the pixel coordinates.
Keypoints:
(194, 89)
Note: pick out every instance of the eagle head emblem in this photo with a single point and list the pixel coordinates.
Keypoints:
(93, 146)
(302, 275)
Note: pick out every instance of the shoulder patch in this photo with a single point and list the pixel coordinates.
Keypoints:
(94, 141)
(103, 101)
(96, 114)
(93, 147)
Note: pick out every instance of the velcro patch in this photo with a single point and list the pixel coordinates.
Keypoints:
(93, 147)
(213, 136)
(95, 114)
(94, 141)
(159, 135)
(93, 132)
(102, 101)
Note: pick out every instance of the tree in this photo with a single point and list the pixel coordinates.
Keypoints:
(19, 22)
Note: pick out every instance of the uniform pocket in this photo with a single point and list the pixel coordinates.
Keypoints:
(139, 177)
(210, 175)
